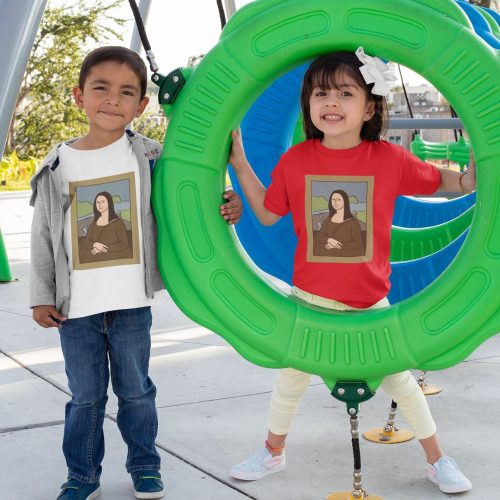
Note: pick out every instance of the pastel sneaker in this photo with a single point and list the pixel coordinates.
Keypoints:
(258, 465)
(148, 484)
(446, 474)
(76, 490)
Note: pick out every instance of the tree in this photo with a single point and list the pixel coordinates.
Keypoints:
(44, 112)
(151, 125)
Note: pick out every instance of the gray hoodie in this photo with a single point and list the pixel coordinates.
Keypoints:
(49, 276)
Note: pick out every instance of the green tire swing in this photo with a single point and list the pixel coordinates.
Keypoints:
(206, 272)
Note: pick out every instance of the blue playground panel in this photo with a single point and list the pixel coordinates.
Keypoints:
(410, 277)
(479, 23)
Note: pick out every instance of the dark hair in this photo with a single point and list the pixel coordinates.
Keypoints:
(117, 54)
(327, 72)
(111, 207)
(347, 204)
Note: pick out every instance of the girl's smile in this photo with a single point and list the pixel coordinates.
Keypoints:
(340, 112)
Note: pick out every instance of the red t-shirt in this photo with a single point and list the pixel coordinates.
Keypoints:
(342, 202)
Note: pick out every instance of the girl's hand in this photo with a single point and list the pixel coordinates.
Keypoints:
(237, 156)
(232, 210)
(469, 180)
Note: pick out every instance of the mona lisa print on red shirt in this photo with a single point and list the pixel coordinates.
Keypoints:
(339, 218)
(104, 229)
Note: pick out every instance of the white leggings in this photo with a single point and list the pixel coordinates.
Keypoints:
(402, 387)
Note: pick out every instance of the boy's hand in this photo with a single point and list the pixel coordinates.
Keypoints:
(231, 211)
(47, 316)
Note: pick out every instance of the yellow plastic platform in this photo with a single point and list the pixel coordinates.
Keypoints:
(430, 390)
(378, 436)
(347, 495)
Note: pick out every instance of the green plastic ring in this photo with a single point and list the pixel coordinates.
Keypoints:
(210, 278)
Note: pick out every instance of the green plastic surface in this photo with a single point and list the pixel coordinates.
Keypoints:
(414, 243)
(458, 151)
(209, 276)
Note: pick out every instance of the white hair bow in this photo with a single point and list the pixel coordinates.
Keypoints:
(374, 70)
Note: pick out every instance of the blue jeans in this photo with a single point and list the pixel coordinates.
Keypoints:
(91, 345)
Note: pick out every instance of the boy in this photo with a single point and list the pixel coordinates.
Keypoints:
(94, 270)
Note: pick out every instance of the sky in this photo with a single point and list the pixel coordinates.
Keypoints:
(178, 29)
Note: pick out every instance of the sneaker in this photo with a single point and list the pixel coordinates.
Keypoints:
(76, 490)
(258, 465)
(446, 474)
(148, 484)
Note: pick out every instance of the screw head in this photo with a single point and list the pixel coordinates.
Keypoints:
(352, 411)
(166, 95)
(341, 391)
(175, 79)
(361, 391)
(155, 77)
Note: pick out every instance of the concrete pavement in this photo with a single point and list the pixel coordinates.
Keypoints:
(212, 407)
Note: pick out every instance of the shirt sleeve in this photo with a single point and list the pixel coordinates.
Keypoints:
(276, 200)
(418, 177)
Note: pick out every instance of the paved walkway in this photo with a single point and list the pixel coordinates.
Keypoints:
(212, 407)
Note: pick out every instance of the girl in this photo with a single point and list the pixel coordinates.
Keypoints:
(345, 111)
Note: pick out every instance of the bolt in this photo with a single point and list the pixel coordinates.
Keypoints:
(361, 391)
(352, 411)
(166, 96)
(155, 77)
(175, 79)
(341, 391)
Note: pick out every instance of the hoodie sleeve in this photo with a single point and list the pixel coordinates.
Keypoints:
(42, 272)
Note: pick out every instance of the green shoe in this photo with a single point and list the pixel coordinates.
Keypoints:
(148, 484)
(76, 490)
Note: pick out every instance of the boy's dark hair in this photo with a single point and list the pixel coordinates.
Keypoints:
(328, 71)
(117, 54)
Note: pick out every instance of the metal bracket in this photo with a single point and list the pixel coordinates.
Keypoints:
(352, 394)
(170, 85)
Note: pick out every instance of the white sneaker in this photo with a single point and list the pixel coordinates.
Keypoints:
(446, 474)
(258, 465)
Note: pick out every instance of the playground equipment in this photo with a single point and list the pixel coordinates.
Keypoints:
(215, 284)
(480, 24)
(16, 47)
(494, 14)
(18, 26)
(416, 213)
(410, 277)
(413, 243)
(428, 389)
(389, 433)
(454, 151)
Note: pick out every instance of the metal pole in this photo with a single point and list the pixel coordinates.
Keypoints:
(18, 27)
(230, 7)
(425, 123)
(135, 43)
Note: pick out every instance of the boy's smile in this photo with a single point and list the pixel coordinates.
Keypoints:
(111, 99)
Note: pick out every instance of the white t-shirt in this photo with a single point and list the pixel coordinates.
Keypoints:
(102, 228)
